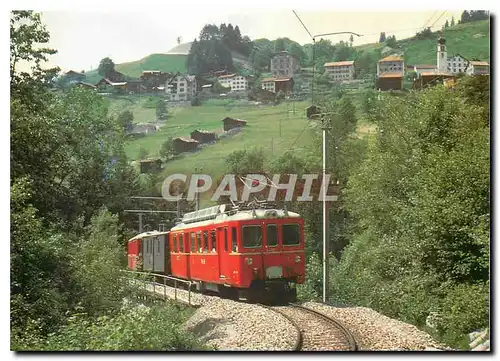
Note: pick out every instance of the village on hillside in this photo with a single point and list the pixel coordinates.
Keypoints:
(284, 78)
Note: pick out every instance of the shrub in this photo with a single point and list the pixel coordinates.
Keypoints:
(134, 328)
(465, 309)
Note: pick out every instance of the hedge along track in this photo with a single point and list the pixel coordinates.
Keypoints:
(316, 331)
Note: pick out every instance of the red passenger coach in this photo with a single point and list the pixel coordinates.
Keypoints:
(245, 253)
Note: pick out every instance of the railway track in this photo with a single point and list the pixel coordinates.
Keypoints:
(316, 331)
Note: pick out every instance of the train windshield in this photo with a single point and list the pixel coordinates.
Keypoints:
(291, 234)
(252, 236)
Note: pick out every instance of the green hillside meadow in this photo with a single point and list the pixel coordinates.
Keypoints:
(471, 40)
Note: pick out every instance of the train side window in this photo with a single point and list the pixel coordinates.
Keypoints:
(193, 243)
(252, 236)
(181, 243)
(272, 235)
(213, 245)
(235, 240)
(205, 242)
(225, 239)
(291, 234)
(174, 243)
(198, 242)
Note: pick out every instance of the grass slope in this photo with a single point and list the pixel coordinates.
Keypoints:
(471, 40)
(162, 62)
(262, 131)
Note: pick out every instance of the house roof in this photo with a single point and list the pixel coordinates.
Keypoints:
(436, 73)
(283, 79)
(227, 76)
(86, 84)
(284, 52)
(236, 119)
(151, 72)
(475, 62)
(202, 131)
(188, 140)
(391, 58)
(266, 80)
(424, 66)
(390, 75)
(207, 86)
(74, 72)
(340, 63)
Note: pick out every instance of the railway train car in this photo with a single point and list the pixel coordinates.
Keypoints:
(238, 253)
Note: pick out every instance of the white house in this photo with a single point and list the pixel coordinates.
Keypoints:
(269, 84)
(340, 70)
(393, 64)
(478, 67)
(234, 81)
(181, 87)
(457, 64)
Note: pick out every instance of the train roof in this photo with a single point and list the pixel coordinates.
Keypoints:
(146, 234)
(238, 216)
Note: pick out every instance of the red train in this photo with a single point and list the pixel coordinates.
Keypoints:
(239, 253)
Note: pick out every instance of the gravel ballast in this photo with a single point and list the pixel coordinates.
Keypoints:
(229, 325)
(374, 331)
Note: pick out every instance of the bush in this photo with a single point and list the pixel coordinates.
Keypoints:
(465, 309)
(134, 328)
(196, 101)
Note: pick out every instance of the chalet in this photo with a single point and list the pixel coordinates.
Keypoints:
(390, 73)
(74, 77)
(181, 87)
(231, 123)
(340, 70)
(106, 84)
(478, 67)
(203, 136)
(284, 64)
(234, 81)
(154, 80)
(182, 145)
(116, 77)
(144, 128)
(275, 84)
(135, 86)
(150, 165)
(430, 78)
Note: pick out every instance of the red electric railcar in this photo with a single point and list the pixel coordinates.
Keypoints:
(237, 253)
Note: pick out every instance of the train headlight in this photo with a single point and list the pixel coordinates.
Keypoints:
(297, 259)
(248, 261)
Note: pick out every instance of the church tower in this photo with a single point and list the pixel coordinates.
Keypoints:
(442, 57)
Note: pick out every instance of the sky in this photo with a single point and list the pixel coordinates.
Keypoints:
(83, 37)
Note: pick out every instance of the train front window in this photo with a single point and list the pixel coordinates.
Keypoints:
(252, 236)
(291, 234)
(272, 235)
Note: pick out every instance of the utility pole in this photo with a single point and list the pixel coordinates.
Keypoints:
(325, 155)
(197, 195)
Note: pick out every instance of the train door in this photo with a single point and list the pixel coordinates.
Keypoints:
(223, 246)
(147, 252)
(272, 250)
(159, 253)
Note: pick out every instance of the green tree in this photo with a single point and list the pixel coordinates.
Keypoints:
(126, 120)
(452, 21)
(106, 67)
(391, 41)
(167, 148)
(446, 25)
(161, 110)
(382, 37)
(279, 45)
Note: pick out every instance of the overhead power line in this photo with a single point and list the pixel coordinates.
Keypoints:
(438, 18)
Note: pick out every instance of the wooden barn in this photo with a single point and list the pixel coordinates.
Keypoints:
(283, 84)
(182, 145)
(202, 136)
(390, 81)
(230, 123)
(431, 78)
(150, 165)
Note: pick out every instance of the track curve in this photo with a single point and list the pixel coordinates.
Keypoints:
(316, 331)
